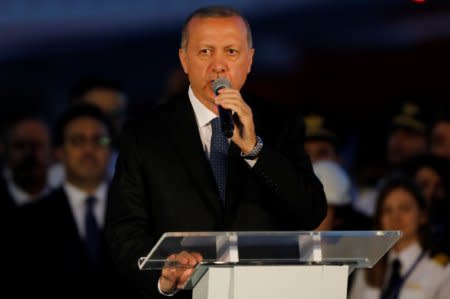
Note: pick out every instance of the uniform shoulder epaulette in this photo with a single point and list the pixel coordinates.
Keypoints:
(441, 259)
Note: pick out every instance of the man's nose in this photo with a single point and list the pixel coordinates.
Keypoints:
(219, 64)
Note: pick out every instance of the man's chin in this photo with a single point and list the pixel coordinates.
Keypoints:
(89, 173)
(206, 97)
(209, 94)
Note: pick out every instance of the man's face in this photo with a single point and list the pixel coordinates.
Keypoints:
(28, 151)
(431, 184)
(404, 144)
(216, 47)
(440, 140)
(319, 150)
(86, 151)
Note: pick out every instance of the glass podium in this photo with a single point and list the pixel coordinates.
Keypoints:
(251, 263)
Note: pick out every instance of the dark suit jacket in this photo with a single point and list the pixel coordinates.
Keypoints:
(6, 201)
(9, 230)
(57, 264)
(163, 182)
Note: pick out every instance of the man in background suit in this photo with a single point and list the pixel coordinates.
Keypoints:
(28, 153)
(112, 100)
(64, 230)
(167, 178)
(23, 181)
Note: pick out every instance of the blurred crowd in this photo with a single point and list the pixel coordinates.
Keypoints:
(52, 221)
(411, 195)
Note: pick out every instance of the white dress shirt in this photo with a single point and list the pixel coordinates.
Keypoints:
(20, 196)
(204, 116)
(77, 201)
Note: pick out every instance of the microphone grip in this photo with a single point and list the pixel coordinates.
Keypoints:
(226, 121)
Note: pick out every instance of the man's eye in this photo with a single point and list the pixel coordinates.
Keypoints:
(205, 51)
(232, 52)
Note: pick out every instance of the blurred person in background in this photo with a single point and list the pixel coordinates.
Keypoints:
(321, 145)
(65, 229)
(320, 141)
(432, 174)
(407, 271)
(109, 97)
(408, 137)
(23, 179)
(440, 136)
(338, 191)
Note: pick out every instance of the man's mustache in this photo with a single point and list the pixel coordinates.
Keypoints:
(89, 158)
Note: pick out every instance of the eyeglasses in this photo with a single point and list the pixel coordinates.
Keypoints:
(81, 140)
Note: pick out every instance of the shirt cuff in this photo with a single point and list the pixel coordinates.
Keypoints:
(164, 293)
(251, 163)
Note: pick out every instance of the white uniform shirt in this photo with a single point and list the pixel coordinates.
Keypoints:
(429, 280)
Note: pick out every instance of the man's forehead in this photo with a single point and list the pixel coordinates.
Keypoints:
(224, 22)
(30, 126)
(213, 32)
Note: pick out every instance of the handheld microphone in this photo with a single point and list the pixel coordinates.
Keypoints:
(226, 118)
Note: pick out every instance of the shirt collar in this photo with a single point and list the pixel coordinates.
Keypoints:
(407, 256)
(78, 196)
(20, 196)
(202, 114)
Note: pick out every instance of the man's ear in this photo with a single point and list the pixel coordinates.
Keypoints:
(252, 52)
(182, 56)
(423, 217)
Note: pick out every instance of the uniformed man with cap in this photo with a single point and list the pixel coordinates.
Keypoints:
(320, 141)
(408, 136)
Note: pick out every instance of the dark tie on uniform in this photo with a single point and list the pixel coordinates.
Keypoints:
(92, 239)
(219, 156)
(392, 288)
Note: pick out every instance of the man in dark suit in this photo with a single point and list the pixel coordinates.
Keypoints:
(23, 180)
(64, 230)
(27, 158)
(170, 174)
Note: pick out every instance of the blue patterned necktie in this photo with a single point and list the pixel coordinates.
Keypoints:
(92, 239)
(219, 156)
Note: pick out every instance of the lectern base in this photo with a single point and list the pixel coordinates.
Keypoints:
(272, 282)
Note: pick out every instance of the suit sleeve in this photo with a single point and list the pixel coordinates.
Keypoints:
(285, 169)
(127, 223)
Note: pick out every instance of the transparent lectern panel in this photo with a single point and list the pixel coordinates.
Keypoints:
(358, 249)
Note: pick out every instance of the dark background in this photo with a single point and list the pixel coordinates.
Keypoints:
(352, 60)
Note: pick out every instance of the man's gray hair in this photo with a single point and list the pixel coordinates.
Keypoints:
(214, 12)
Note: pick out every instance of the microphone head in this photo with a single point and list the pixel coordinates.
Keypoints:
(220, 83)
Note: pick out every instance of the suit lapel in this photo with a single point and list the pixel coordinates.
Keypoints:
(187, 140)
(67, 221)
(61, 232)
(238, 170)
(72, 235)
(236, 175)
